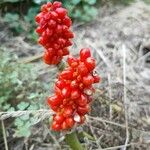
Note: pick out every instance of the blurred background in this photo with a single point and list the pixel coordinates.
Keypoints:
(118, 32)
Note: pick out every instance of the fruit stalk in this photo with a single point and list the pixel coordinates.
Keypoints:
(72, 140)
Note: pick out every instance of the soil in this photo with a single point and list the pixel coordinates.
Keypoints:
(120, 41)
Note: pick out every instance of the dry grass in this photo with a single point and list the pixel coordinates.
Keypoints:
(120, 117)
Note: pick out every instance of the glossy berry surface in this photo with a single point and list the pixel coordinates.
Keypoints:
(54, 32)
(73, 90)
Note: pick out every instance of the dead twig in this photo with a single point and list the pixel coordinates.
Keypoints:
(4, 135)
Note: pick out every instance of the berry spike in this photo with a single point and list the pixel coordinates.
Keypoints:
(54, 32)
(73, 91)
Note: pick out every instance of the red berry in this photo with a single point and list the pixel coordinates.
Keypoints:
(59, 118)
(69, 34)
(39, 30)
(65, 51)
(73, 62)
(79, 78)
(65, 101)
(61, 41)
(68, 111)
(68, 43)
(67, 21)
(84, 54)
(48, 32)
(65, 28)
(60, 84)
(74, 84)
(52, 24)
(75, 94)
(56, 47)
(49, 4)
(60, 52)
(44, 8)
(90, 63)
(47, 57)
(82, 101)
(56, 126)
(88, 80)
(38, 17)
(47, 16)
(57, 4)
(58, 29)
(82, 119)
(54, 100)
(70, 122)
(57, 91)
(61, 12)
(64, 126)
(89, 99)
(83, 110)
(54, 15)
(66, 91)
(67, 74)
(96, 79)
(82, 69)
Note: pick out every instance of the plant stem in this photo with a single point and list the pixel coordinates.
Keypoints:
(61, 66)
(72, 140)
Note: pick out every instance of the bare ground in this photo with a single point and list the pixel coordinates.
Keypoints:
(120, 41)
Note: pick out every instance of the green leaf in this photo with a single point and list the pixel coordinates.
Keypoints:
(22, 105)
(33, 107)
(23, 131)
(34, 120)
(70, 7)
(75, 2)
(31, 14)
(6, 107)
(33, 95)
(19, 122)
(11, 1)
(91, 2)
(90, 10)
(11, 17)
(88, 136)
(25, 117)
(93, 12)
(86, 18)
(77, 13)
(11, 109)
(41, 1)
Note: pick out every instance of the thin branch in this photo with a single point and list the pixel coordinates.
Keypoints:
(110, 96)
(106, 121)
(42, 112)
(95, 137)
(125, 96)
(4, 135)
(32, 58)
(120, 146)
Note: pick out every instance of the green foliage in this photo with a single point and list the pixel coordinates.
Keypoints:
(20, 89)
(41, 1)
(13, 20)
(83, 10)
(23, 25)
(124, 2)
(11, 1)
(147, 1)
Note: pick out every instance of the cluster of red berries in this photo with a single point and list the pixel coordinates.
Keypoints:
(54, 31)
(73, 91)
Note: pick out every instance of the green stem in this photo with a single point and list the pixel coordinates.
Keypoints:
(72, 140)
(61, 66)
